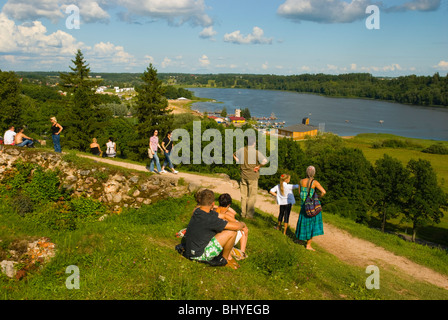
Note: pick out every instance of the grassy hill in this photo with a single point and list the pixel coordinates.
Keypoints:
(132, 256)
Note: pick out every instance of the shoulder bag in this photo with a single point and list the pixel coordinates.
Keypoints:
(312, 204)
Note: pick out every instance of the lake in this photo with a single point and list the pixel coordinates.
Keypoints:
(344, 117)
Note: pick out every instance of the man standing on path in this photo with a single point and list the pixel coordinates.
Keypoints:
(250, 160)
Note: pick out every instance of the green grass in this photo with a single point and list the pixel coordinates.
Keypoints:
(132, 256)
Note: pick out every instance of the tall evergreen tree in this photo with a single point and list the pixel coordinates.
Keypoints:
(81, 118)
(151, 110)
(10, 102)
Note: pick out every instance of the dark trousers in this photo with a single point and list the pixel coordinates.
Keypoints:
(285, 210)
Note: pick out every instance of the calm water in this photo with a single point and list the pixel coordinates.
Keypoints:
(345, 117)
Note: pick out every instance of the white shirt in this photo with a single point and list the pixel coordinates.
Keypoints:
(110, 147)
(9, 137)
(287, 197)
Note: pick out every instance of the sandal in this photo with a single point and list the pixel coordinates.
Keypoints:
(232, 264)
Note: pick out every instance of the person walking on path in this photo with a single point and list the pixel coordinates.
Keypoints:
(308, 228)
(250, 160)
(56, 129)
(153, 147)
(285, 199)
(167, 146)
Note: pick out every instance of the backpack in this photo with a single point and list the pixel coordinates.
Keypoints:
(312, 204)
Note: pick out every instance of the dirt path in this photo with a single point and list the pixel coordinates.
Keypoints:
(340, 243)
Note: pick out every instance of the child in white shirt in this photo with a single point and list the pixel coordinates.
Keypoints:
(285, 199)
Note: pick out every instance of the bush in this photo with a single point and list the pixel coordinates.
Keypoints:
(436, 149)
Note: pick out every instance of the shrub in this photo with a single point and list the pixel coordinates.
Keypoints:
(436, 149)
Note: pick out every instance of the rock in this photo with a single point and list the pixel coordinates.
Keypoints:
(117, 198)
(133, 179)
(136, 193)
(192, 187)
(84, 172)
(8, 269)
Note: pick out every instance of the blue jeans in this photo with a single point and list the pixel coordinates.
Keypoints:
(155, 158)
(57, 143)
(25, 142)
(167, 160)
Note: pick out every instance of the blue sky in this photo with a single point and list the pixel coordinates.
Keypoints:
(227, 36)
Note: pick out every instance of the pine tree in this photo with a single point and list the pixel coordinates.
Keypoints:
(151, 110)
(80, 120)
(10, 102)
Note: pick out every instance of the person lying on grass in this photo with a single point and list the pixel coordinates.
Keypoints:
(208, 237)
(227, 213)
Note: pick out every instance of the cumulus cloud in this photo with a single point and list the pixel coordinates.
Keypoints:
(256, 37)
(31, 41)
(176, 12)
(28, 10)
(204, 61)
(33, 38)
(207, 33)
(443, 65)
(339, 11)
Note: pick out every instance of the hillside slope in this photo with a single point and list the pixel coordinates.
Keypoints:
(340, 243)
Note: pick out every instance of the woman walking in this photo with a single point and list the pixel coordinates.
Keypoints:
(153, 146)
(285, 199)
(167, 146)
(56, 129)
(308, 228)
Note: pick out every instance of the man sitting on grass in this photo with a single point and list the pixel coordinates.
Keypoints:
(209, 238)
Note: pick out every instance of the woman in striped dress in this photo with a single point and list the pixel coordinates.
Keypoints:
(308, 228)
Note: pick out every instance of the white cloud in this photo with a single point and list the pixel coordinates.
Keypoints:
(149, 59)
(204, 61)
(176, 12)
(207, 33)
(339, 11)
(256, 37)
(265, 66)
(106, 52)
(443, 65)
(32, 38)
(166, 62)
(28, 10)
(31, 43)
(324, 11)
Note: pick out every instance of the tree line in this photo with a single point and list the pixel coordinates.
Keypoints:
(414, 90)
